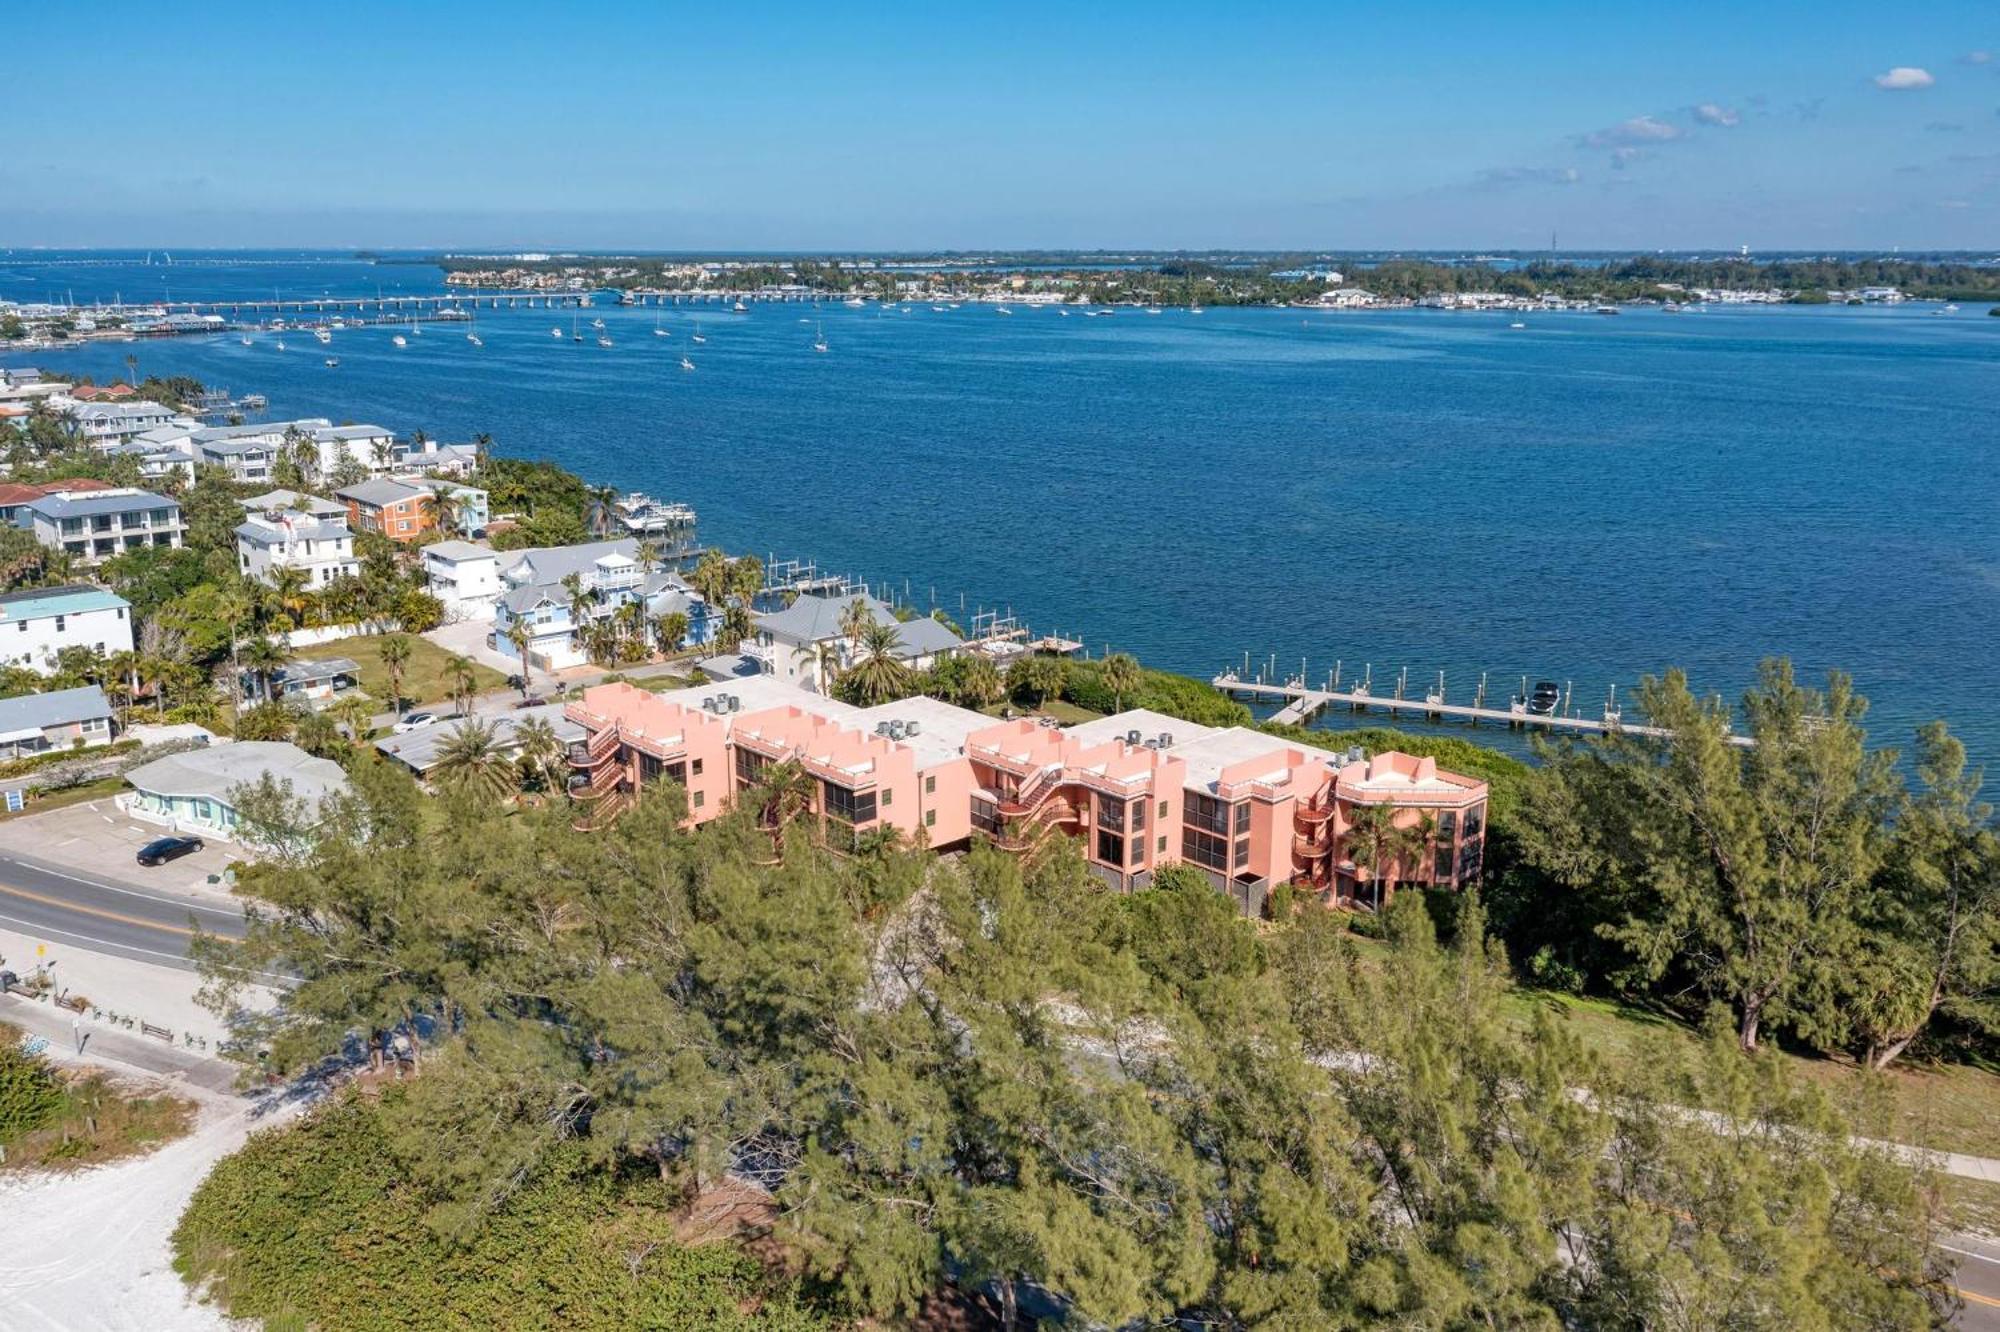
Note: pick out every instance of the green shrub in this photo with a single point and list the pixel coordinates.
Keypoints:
(30, 1096)
(319, 1223)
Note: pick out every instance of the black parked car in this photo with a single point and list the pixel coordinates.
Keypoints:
(159, 852)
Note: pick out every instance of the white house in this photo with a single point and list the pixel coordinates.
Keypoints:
(465, 577)
(37, 624)
(790, 643)
(104, 424)
(283, 530)
(96, 524)
(535, 592)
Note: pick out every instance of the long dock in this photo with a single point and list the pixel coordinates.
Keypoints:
(1303, 703)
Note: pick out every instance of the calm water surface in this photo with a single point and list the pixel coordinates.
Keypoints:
(1586, 499)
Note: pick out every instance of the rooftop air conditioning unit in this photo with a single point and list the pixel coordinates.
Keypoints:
(1166, 739)
(909, 728)
(1131, 737)
(710, 705)
(895, 730)
(881, 728)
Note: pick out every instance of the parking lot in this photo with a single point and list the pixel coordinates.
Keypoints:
(97, 839)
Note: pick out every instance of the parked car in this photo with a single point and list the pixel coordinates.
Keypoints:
(532, 701)
(163, 849)
(411, 721)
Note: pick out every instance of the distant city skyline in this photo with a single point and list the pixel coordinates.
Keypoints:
(1292, 127)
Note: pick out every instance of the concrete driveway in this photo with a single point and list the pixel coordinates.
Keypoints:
(99, 840)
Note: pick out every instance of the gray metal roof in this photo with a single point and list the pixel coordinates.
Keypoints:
(96, 502)
(419, 749)
(551, 564)
(219, 769)
(59, 708)
(460, 550)
(381, 491)
(289, 501)
(813, 619)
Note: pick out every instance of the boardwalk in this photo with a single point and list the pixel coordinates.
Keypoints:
(1302, 704)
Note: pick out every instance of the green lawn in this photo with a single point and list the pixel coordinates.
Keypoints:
(1064, 711)
(424, 677)
(1946, 1107)
(41, 802)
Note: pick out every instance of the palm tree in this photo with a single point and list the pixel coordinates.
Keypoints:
(670, 631)
(234, 608)
(132, 368)
(518, 637)
(1380, 848)
(981, 686)
(395, 654)
(879, 676)
(354, 713)
(540, 752)
(464, 682)
(648, 554)
(1040, 676)
(746, 579)
(290, 591)
(855, 618)
(629, 619)
(123, 668)
(1121, 676)
(736, 627)
(263, 659)
(786, 791)
(472, 759)
(317, 734)
(601, 521)
(581, 602)
(710, 577)
(819, 656)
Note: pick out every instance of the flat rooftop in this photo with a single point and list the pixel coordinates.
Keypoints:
(941, 727)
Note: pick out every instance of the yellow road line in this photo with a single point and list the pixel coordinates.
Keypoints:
(119, 916)
(1976, 1298)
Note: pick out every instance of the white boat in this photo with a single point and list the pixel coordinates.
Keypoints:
(1152, 309)
(332, 361)
(400, 340)
(603, 340)
(854, 302)
(281, 344)
(597, 324)
(819, 340)
(575, 335)
(322, 335)
(1517, 324)
(245, 341)
(475, 339)
(686, 364)
(1949, 309)
(1194, 309)
(659, 332)
(698, 338)
(1001, 309)
(741, 308)
(555, 333)
(937, 309)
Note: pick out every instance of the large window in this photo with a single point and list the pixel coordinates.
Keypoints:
(986, 816)
(1205, 849)
(1111, 846)
(1207, 814)
(1111, 816)
(750, 766)
(848, 806)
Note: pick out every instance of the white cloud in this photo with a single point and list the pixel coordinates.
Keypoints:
(1904, 78)
(1639, 129)
(1708, 113)
(1976, 58)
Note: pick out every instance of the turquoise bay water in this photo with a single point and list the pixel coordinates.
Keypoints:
(1586, 499)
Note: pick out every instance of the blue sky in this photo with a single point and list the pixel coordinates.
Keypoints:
(1309, 125)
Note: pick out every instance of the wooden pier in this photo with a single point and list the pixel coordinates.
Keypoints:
(1302, 703)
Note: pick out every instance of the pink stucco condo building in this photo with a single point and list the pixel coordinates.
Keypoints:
(1138, 790)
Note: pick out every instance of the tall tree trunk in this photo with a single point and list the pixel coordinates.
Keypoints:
(1746, 1030)
(1010, 1306)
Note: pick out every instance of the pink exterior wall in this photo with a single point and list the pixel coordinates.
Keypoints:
(1057, 780)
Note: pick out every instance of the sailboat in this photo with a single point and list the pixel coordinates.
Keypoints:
(415, 332)
(854, 302)
(245, 339)
(686, 364)
(740, 307)
(281, 344)
(659, 332)
(698, 338)
(472, 334)
(819, 339)
(597, 324)
(603, 339)
(575, 335)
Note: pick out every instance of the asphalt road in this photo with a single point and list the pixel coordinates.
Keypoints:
(1978, 1280)
(120, 919)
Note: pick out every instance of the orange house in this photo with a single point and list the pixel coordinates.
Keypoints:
(396, 509)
